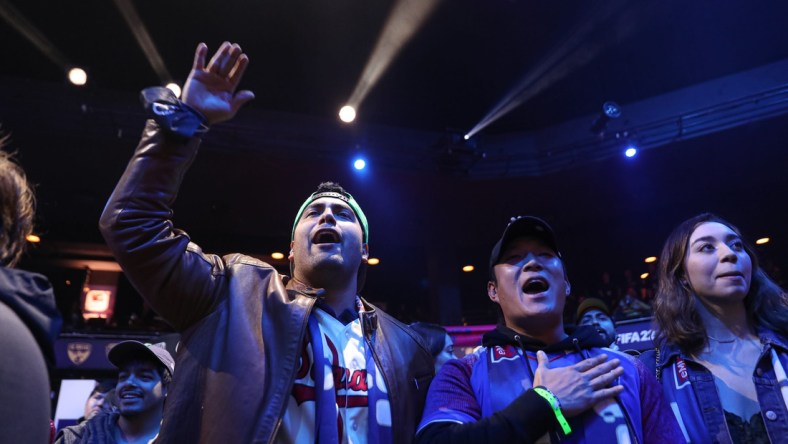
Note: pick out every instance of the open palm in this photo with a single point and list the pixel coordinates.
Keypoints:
(211, 88)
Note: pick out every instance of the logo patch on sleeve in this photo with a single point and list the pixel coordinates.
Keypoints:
(680, 373)
(500, 353)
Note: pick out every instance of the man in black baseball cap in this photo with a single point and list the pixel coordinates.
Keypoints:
(144, 374)
(523, 226)
(531, 381)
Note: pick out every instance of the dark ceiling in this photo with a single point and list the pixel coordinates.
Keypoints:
(429, 213)
(307, 56)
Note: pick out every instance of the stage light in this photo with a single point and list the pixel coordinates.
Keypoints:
(175, 88)
(33, 239)
(77, 76)
(631, 151)
(610, 110)
(277, 255)
(763, 240)
(373, 261)
(347, 114)
(468, 268)
(644, 276)
(359, 164)
(650, 259)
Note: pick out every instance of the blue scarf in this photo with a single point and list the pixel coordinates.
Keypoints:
(326, 413)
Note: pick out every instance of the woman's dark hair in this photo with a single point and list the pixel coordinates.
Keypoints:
(433, 334)
(17, 207)
(675, 311)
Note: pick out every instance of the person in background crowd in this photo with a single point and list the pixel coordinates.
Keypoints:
(594, 312)
(722, 353)
(265, 358)
(608, 292)
(96, 400)
(630, 306)
(532, 381)
(145, 372)
(438, 342)
(29, 320)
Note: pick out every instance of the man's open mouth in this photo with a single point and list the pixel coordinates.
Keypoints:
(326, 236)
(535, 285)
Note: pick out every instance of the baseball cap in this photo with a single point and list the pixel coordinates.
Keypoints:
(128, 350)
(591, 304)
(520, 226)
(340, 194)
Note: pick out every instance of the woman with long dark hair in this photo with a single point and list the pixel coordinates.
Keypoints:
(722, 352)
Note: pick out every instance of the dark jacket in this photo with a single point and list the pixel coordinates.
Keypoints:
(242, 327)
(98, 430)
(30, 296)
(29, 323)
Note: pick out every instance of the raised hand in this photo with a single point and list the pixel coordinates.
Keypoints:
(210, 89)
(578, 387)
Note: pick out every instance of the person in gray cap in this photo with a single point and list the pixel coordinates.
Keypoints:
(144, 375)
(531, 381)
(263, 357)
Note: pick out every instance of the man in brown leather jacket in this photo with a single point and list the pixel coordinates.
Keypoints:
(249, 367)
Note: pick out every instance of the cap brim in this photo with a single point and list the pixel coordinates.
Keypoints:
(524, 226)
(125, 351)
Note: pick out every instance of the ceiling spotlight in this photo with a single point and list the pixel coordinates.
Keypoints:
(33, 239)
(347, 114)
(277, 255)
(373, 261)
(175, 88)
(644, 276)
(359, 164)
(610, 110)
(650, 259)
(468, 268)
(631, 151)
(77, 76)
(763, 240)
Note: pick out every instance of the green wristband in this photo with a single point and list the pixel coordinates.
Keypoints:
(559, 415)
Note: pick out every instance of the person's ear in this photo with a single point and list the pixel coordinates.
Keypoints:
(492, 291)
(290, 255)
(568, 288)
(364, 252)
